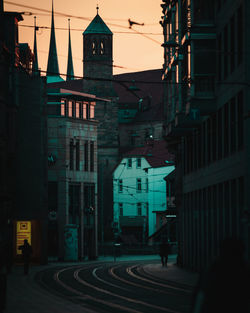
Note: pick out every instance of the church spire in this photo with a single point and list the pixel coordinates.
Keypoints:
(70, 68)
(35, 61)
(52, 67)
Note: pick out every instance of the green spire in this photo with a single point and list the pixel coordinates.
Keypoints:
(70, 68)
(35, 61)
(52, 67)
(97, 26)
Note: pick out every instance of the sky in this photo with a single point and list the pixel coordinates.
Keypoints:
(132, 52)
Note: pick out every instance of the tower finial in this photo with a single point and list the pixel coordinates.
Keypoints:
(97, 8)
(52, 67)
(70, 68)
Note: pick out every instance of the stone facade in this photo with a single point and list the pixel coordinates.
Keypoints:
(72, 153)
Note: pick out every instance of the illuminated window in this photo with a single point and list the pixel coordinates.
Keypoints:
(102, 47)
(93, 48)
(77, 113)
(70, 108)
(63, 107)
(84, 110)
(92, 111)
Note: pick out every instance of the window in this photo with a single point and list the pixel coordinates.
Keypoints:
(94, 48)
(86, 156)
(219, 141)
(232, 43)
(138, 162)
(84, 110)
(77, 155)
(138, 185)
(233, 124)
(92, 110)
(146, 184)
(139, 209)
(71, 155)
(63, 107)
(121, 209)
(240, 120)
(91, 156)
(102, 47)
(226, 129)
(89, 203)
(120, 185)
(77, 114)
(74, 204)
(70, 108)
(240, 33)
(219, 54)
(89, 195)
(225, 52)
(129, 163)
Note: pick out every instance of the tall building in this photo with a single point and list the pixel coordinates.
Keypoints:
(23, 148)
(72, 160)
(98, 76)
(206, 74)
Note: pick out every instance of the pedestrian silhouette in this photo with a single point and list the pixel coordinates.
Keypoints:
(225, 285)
(164, 252)
(26, 253)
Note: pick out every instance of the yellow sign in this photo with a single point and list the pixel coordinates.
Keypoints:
(23, 232)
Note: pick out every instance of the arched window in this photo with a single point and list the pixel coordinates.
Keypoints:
(102, 47)
(94, 47)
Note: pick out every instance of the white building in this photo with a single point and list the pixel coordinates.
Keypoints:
(140, 190)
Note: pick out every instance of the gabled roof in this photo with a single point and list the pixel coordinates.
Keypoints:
(97, 26)
(155, 152)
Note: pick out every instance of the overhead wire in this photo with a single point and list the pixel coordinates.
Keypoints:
(79, 29)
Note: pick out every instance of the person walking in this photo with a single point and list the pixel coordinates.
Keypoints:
(26, 253)
(164, 252)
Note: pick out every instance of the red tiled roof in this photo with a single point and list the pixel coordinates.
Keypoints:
(155, 152)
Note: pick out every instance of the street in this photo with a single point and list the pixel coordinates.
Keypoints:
(116, 287)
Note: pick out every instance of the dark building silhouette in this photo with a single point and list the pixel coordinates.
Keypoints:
(206, 74)
(23, 152)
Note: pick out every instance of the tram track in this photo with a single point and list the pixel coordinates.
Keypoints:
(120, 288)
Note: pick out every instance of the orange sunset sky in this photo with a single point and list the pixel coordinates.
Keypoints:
(132, 51)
